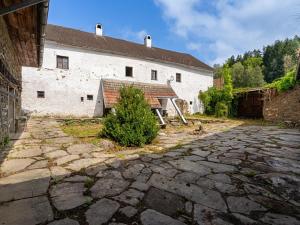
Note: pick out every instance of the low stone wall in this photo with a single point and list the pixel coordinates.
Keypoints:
(283, 106)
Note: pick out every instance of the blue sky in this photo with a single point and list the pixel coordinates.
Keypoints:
(211, 30)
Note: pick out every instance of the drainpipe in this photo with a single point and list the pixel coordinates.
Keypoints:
(178, 111)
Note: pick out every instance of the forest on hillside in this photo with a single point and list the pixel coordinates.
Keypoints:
(259, 67)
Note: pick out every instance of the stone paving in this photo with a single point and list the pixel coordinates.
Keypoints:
(237, 175)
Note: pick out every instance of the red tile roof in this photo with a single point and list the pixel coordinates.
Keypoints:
(111, 45)
(152, 92)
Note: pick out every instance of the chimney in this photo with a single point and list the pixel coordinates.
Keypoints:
(99, 30)
(148, 41)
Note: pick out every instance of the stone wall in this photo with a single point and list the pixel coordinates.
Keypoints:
(283, 106)
(10, 59)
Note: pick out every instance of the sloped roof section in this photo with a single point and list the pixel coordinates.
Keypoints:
(152, 92)
(106, 44)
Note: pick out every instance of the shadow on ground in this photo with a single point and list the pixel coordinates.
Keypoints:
(241, 175)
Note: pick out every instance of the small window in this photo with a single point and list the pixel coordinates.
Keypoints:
(81, 99)
(62, 62)
(191, 102)
(178, 77)
(40, 94)
(153, 74)
(129, 71)
(90, 97)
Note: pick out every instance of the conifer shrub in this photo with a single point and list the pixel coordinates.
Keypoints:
(133, 123)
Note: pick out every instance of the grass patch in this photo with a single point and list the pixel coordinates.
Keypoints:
(87, 130)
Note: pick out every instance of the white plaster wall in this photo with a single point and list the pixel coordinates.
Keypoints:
(64, 88)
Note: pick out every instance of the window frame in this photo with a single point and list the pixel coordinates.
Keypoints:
(40, 94)
(90, 97)
(130, 68)
(178, 79)
(64, 65)
(154, 72)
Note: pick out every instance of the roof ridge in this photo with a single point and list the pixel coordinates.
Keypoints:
(89, 40)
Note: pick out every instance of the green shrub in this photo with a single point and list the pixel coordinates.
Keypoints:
(213, 97)
(287, 82)
(221, 110)
(133, 123)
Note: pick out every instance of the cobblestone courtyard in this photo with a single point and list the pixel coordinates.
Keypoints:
(236, 175)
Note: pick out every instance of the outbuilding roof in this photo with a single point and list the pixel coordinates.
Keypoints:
(152, 92)
(91, 41)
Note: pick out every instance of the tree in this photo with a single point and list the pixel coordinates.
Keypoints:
(238, 75)
(133, 123)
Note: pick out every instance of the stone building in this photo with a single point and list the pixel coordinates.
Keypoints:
(22, 25)
(77, 64)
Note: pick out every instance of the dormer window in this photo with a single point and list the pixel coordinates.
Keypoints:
(62, 62)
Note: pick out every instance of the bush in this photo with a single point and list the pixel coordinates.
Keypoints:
(284, 83)
(133, 123)
(221, 110)
(214, 98)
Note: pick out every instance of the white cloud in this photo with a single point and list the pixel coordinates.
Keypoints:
(136, 36)
(222, 28)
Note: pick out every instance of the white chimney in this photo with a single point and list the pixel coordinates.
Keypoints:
(148, 41)
(99, 30)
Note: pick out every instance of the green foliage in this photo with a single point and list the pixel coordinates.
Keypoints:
(280, 58)
(287, 82)
(214, 99)
(133, 123)
(221, 109)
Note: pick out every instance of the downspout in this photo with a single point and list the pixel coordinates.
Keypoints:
(43, 8)
(178, 111)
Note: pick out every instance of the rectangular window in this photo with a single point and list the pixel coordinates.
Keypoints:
(81, 99)
(129, 71)
(62, 62)
(153, 74)
(178, 77)
(90, 97)
(40, 94)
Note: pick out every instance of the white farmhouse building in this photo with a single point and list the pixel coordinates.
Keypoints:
(81, 74)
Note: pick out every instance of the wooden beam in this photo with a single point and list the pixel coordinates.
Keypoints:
(18, 6)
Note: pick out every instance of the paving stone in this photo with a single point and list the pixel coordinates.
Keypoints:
(26, 153)
(191, 192)
(164, 171)
(101, 212)
(129, 211)
(187, 177)
(220, 177)
(29, 211)
(65, 221)
(108, 187)
(140, 186)
(152, 217)
(189, 166)
(189, 207)
(56, 154)
(24, 185)
(67, 196)
(39, 165)
(244, 219)
(243, 205)
(279, 219)
(83, 163)
(200, 153)
(164, 202)
(59, 173)
(80, 148)
(78, 178)
(133, 171)
(66, 159)
(225, 188)
(14, 165)
(218, 167)
(131, 197)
